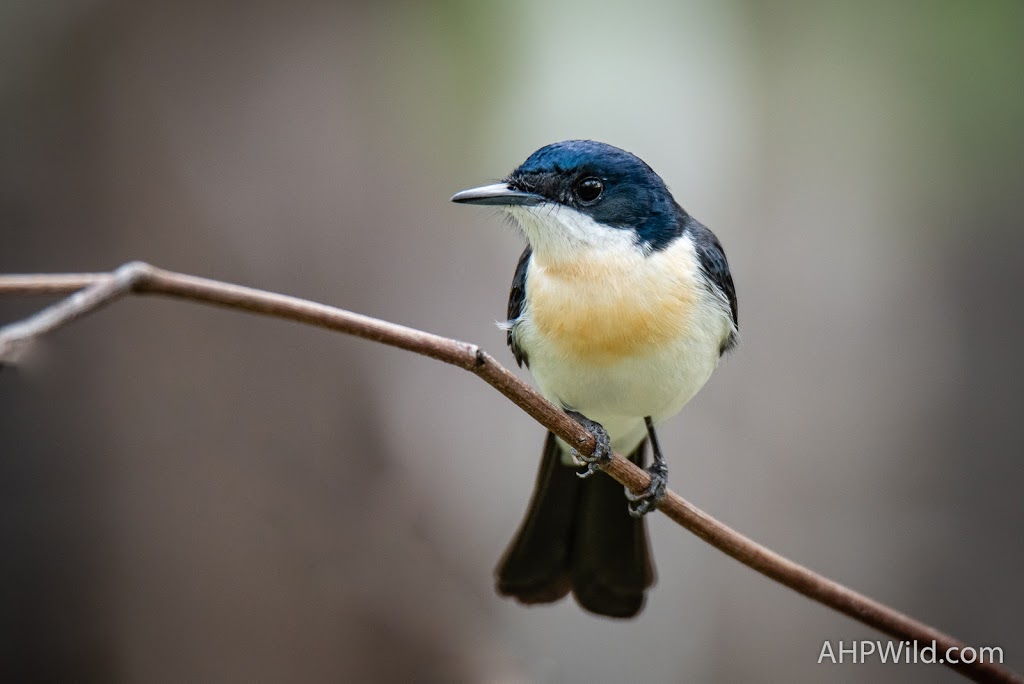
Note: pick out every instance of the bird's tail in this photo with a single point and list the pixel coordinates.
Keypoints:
(578, 536)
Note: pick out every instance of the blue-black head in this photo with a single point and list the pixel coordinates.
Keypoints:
(611, 186)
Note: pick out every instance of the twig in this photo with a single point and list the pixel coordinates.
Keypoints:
(91, 291)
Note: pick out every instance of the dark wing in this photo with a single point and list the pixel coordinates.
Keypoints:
(516, 301)
(716, 268)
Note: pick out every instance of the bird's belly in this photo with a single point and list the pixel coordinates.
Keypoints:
(657, 384)
(620, 393)
(620, 338)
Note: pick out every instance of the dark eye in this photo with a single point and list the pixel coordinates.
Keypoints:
(589, 189)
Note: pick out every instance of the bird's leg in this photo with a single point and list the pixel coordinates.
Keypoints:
(645, 502)
(602, 450)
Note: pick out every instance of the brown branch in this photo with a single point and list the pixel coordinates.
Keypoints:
(92, 291)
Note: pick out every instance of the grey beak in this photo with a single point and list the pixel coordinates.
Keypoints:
(497, 194)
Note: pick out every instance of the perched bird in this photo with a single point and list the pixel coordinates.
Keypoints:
(621, 306)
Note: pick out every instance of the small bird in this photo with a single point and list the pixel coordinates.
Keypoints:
(621, 306)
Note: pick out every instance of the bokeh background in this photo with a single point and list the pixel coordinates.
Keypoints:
(190, 494)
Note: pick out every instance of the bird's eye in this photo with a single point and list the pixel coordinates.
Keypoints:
(589, 189)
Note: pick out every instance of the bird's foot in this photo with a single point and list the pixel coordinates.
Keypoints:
(602, 454)
(646, 501)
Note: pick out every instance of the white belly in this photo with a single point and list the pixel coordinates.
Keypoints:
(619, 396)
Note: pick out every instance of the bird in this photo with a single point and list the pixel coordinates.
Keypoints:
(622, 305)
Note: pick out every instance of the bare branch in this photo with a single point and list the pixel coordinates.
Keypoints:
(92, 291)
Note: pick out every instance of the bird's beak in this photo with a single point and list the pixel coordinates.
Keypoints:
(498, 194)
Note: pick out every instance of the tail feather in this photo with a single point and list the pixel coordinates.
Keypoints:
(611, 565)
(535, 567)
(577, 535)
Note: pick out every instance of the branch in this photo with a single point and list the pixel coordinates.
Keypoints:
(94, 290)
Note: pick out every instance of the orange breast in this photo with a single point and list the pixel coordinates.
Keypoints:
(602, 310)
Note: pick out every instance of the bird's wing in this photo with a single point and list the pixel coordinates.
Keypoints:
(716, 269)
(516, 301)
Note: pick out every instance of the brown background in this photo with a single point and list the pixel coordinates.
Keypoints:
(190, 494)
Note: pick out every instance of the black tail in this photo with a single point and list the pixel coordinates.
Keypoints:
(578, 535)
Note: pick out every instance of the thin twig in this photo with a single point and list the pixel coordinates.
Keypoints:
(91, 291)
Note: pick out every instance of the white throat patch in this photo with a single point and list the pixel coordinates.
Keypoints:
(559, 233)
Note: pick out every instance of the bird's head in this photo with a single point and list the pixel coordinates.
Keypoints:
(580, 194)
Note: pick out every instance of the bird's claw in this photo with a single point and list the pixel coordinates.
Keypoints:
(602, 454)
(646, 501)
(591, 468)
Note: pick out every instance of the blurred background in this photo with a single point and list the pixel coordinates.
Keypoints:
(191, 494)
